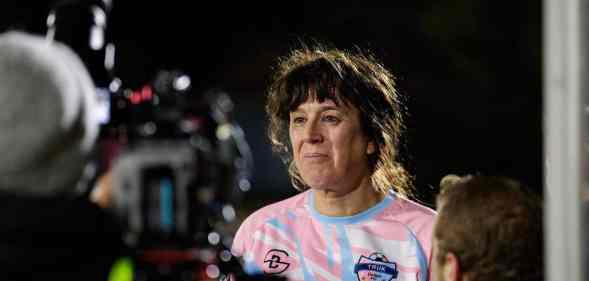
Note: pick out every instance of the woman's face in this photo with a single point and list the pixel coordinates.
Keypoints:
(329, 147)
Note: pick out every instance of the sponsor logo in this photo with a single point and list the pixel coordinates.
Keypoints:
(375, 267)
(276, 261)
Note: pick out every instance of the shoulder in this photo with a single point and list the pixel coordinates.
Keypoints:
(417, 217)
(291, 204)
(256, 220)
(414, 208)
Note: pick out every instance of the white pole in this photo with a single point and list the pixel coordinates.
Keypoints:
(564, 62)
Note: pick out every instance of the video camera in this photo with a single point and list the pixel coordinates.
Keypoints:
(179, 169)
(179, 161)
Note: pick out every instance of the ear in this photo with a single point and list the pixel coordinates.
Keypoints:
(451, 269)
(370, 148)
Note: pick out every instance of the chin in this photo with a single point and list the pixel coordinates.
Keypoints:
(319, 184)
(318, 179)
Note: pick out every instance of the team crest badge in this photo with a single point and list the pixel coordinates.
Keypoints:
(376, 267)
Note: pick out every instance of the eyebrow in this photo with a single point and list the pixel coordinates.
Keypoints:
(326, 108)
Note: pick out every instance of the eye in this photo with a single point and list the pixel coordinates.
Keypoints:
(297, 120)
(330, 119)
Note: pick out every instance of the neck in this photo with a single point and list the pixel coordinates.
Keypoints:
(359, 199)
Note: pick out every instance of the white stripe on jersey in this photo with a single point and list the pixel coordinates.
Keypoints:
(394, 250)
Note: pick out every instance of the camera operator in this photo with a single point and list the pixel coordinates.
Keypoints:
(49, 128)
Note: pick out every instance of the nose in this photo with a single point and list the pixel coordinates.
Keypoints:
(312, 133)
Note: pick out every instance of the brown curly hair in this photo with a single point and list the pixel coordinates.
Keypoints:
(350, 78)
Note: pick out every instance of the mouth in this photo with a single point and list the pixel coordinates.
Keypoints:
(314, 155)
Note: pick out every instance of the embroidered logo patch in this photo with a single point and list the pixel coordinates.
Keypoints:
(376, 267)
(276, 261)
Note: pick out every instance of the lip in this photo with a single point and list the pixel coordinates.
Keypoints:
(314, 155)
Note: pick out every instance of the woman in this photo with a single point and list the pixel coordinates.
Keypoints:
(336, 120)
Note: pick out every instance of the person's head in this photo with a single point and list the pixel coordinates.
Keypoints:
(487, 228)
(326, 104)
(47, 103)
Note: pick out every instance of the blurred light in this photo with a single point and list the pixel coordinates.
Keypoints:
(189, 126)
(51, 19)
(214, 238)
(99, 16)
(213, 271)
(224, 132)
(149, 128)
(244, 185)
(96, 38)
(102, 105)
(135, 97)
(182, 83)
(146, 93)
(225, 103)
(109, 56)
(115, 85)
(207, 256)
(225, 255)
(107, 3)
(228, 212)
(50, 34)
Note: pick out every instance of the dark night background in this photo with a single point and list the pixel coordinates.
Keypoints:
(471, 71)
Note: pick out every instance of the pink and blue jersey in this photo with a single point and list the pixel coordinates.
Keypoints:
(390, 241)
